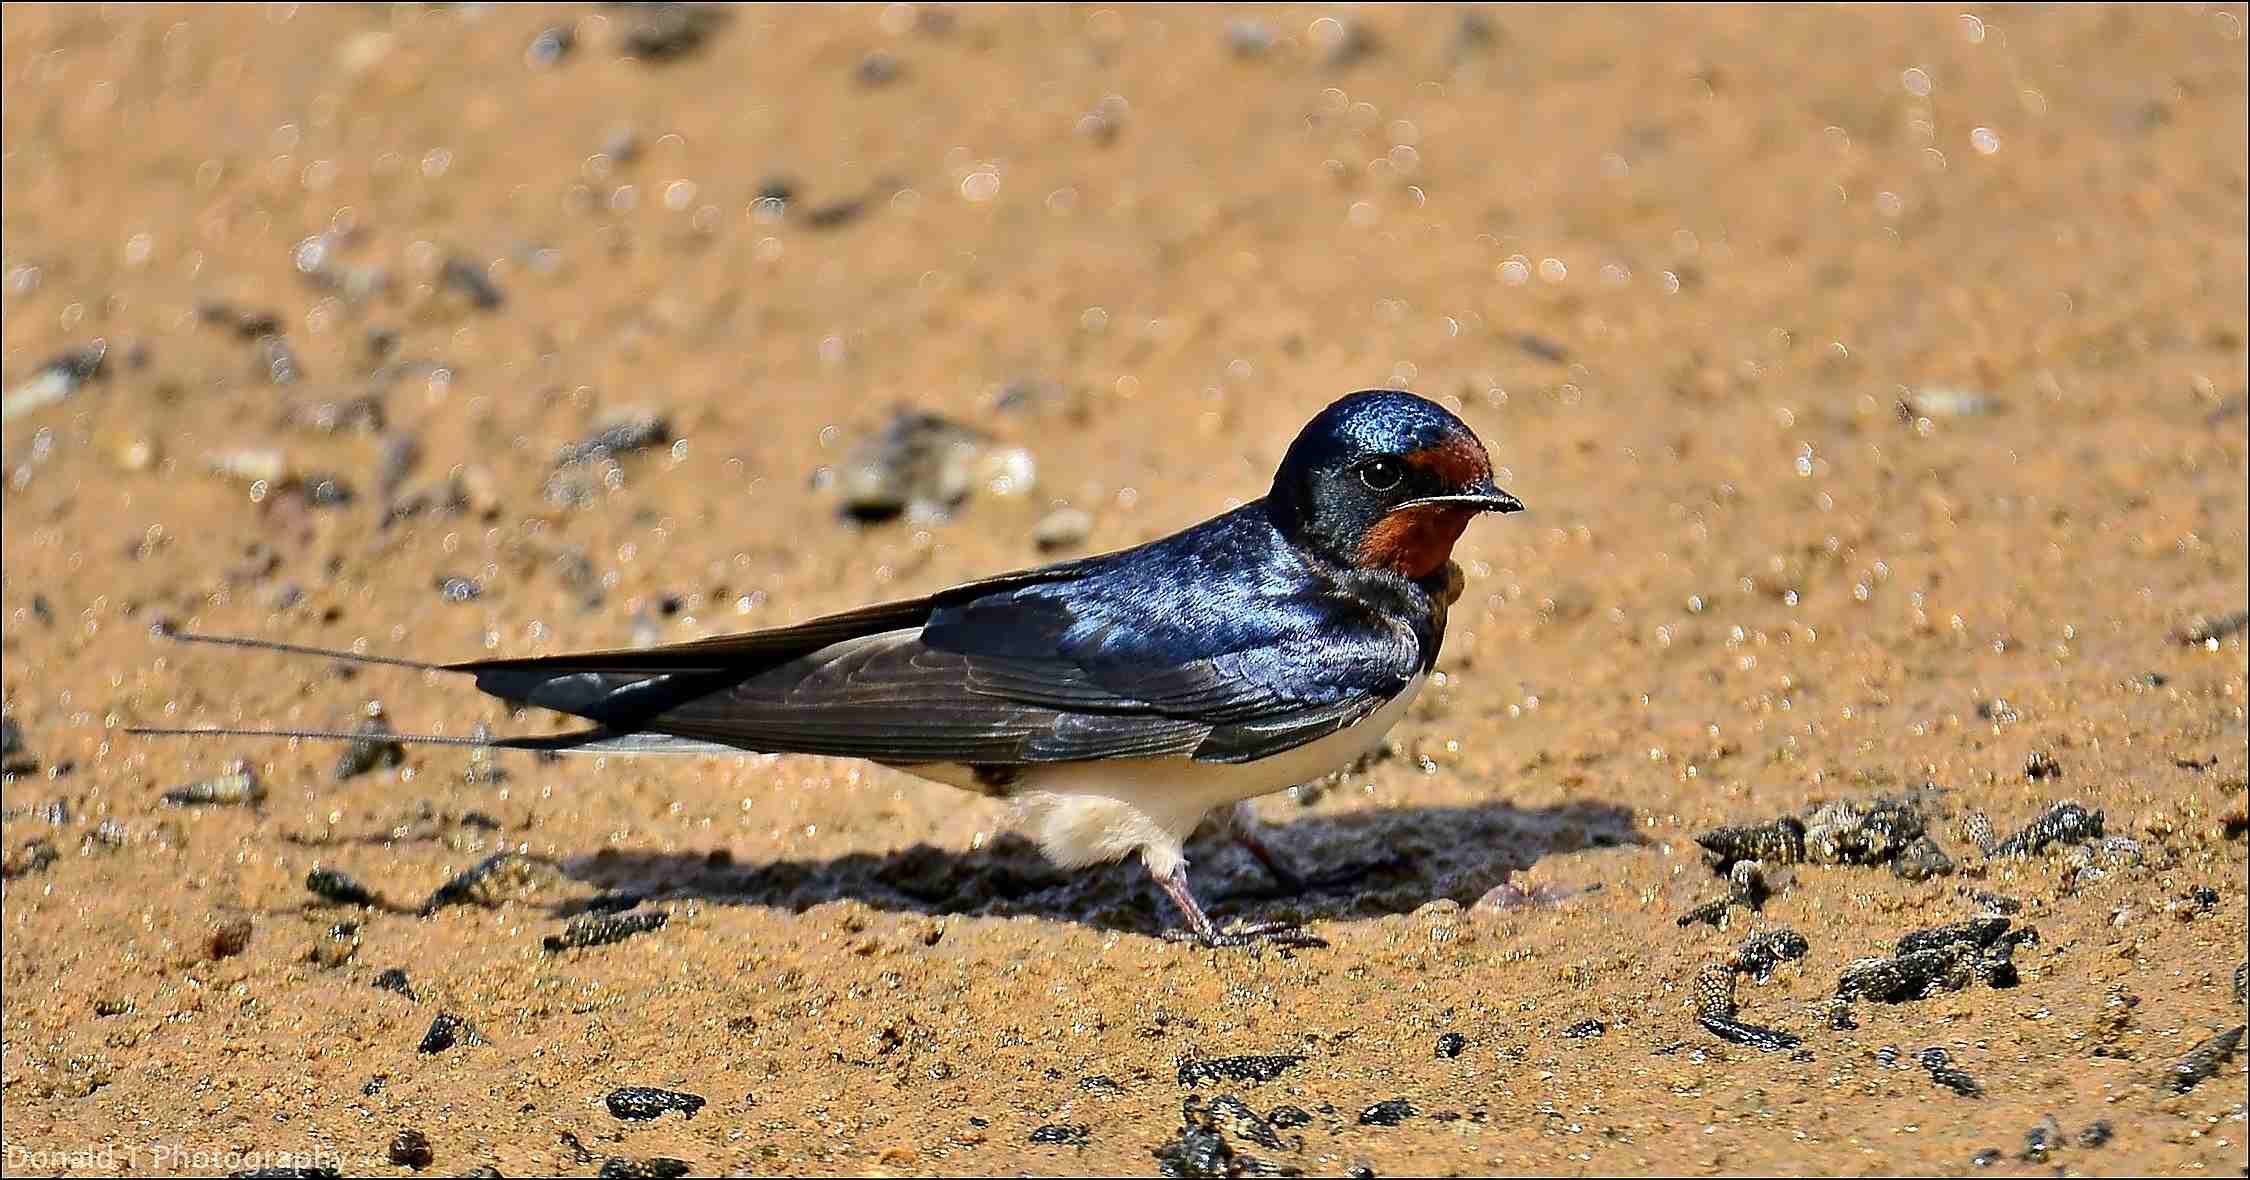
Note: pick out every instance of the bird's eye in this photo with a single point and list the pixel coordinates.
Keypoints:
(1381, 475)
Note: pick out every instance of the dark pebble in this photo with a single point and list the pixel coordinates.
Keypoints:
(393, 979)
(2041, 766)
(239, 788)
(630, 431)
(36, 854)
(1780, 842)
(1543, 348)
(2041, 1141)
(471, 280)
(1758, 1036)
(330, 885)
(465, 887)
(1234, 1119)
(655, 1167)
(2210, 629)
(1986, 1158)
(231, 936)
(1761, 953)
(482, 1172)
(2064, 823)
(1062, 1134)
(446, 1030)
(646, 1102)
(877, 69)
(836, 214)
(11, 737)
(1199, 1150)
(458, 589)
(411, 1149)
(603, 929)
(1388, 1113)
(1940, 1065)
(1451, 1044)
(2204, 1060)
(369, 750)
(1585, 1029)
(667, 32)
(1289, 1116)
(550, 46)
(2095, 1134)
(1255, 1069)
(1100, 1084)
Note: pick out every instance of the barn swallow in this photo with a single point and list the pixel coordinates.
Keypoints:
(1114, 701)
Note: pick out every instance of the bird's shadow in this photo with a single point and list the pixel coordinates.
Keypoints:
(1413, 856)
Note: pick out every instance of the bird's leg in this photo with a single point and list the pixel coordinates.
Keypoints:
(1242, 824)
(1200, 928)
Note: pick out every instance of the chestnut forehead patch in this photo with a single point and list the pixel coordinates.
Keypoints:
(1457, 462)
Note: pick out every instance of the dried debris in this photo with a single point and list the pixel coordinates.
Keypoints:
(648, 1102)
(925, 465)
(603, 929)
(2204, 1060)
(2068, 822)
(333, 885)
(1761, 953)
(1939, 959)
(371, 749)
(236, 788)
(62, 375)
(1716, 1010)
(1940, 1065)
(1256, 1069)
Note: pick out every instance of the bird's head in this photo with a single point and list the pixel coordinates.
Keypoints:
(1385, 480)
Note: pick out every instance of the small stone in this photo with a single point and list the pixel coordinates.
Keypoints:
(655, 1167)
(411, 1149)
(2041, 1141)
(878, 69)
(2041, 766)
(602, 929)
(1062, 529)
(446, 1031)
(369, 750)
(1451, 1044)
(36, 854)
(230, 936)
(1062, 1134)
(1255, 1069)
(2204, 1060)
(550, 47)
(458, 589)
(1986, 1158)
(238, 788)
(647, 1102)
(1761, 953)
(2068, 822)
(1780, 842)
(618, 432)
(331, 885)
(667, 32)
(1585, 1030)
(1388, 1113)
(2095, 1134)
(1940, 1065)
(337, 948)
(393, 979)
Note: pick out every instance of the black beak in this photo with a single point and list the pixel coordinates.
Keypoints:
(1485, 497)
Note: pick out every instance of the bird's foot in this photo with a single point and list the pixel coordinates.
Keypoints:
(1285, 935)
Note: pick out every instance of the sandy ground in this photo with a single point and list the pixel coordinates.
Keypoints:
(1680, 268)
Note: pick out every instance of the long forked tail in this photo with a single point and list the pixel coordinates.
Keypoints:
(298, 649)
(558, 742)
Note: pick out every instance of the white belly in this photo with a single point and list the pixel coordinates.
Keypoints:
(1083, 813)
